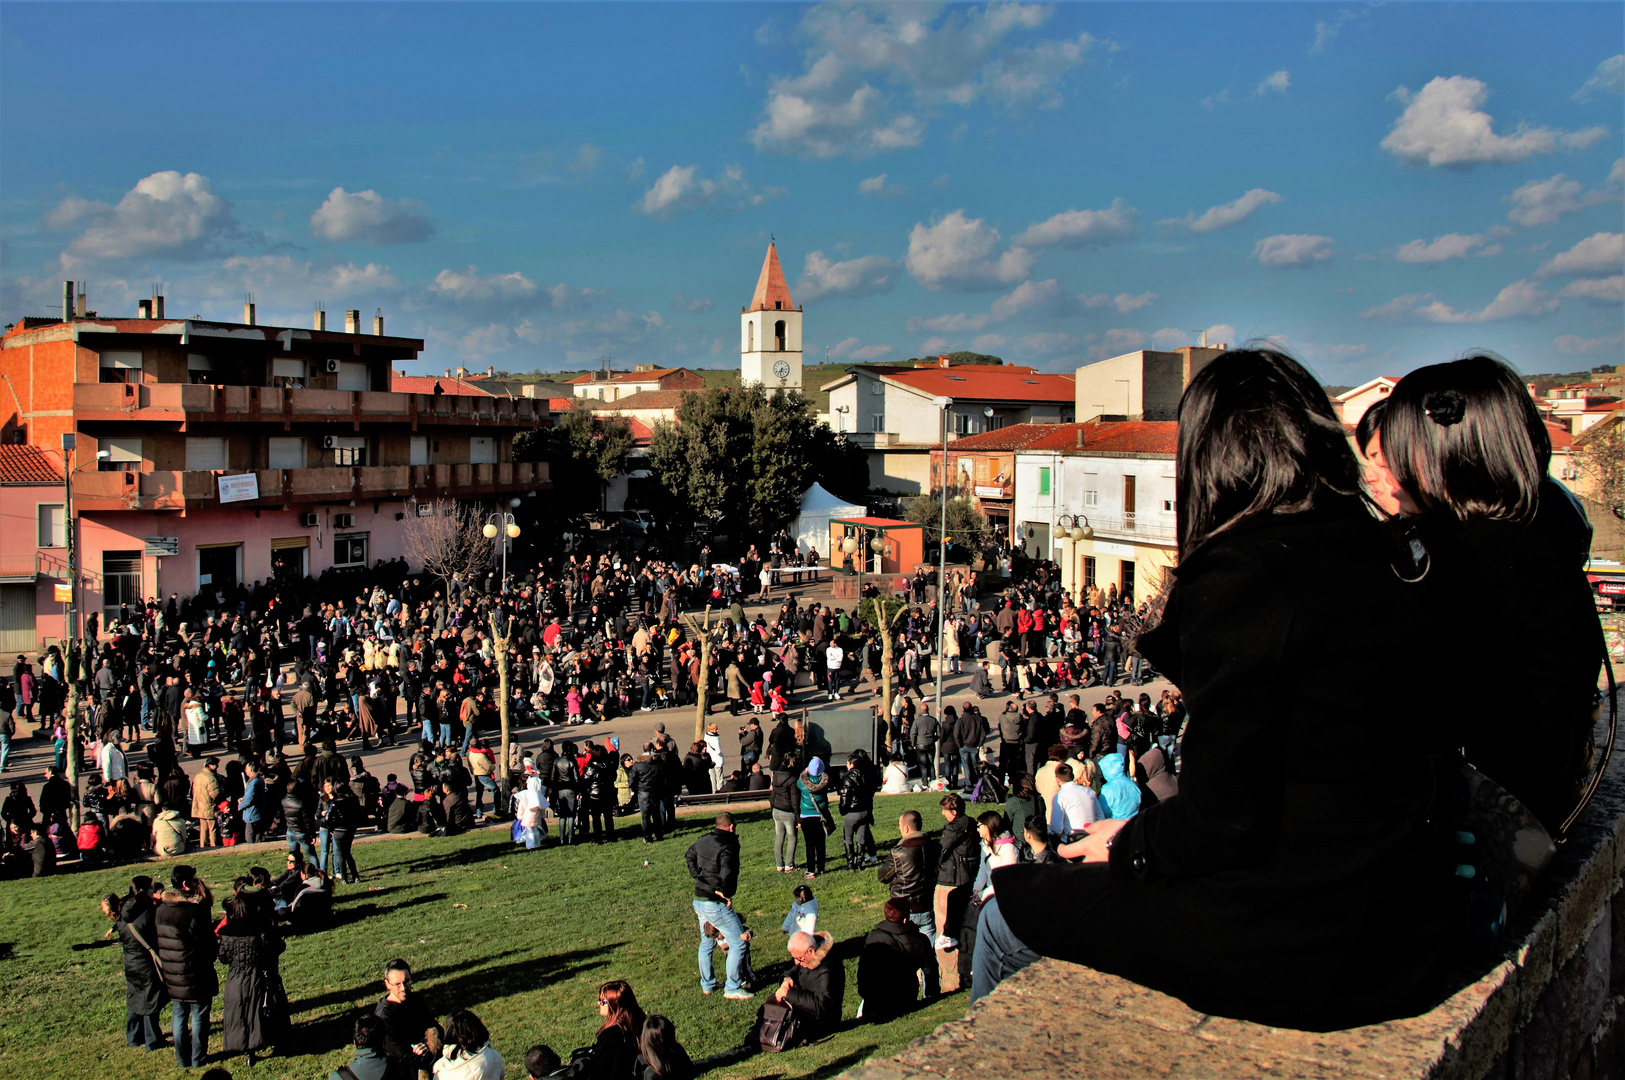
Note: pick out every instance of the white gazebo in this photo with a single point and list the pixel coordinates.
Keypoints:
(818, 509)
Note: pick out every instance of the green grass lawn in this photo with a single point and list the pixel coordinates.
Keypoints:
(522, 938)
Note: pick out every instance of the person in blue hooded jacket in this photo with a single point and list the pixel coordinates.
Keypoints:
(813, 787)
(1119, 795)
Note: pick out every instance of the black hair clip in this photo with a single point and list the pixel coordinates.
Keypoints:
(1444, 407)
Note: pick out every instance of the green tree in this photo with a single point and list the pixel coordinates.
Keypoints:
(586, 451)
(740, 456)
(966, 525)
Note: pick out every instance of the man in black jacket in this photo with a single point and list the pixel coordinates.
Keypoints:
(713, 863)
(645, 778)
(815, 987)
(910, 873)
(410, 1034)
(956, 868)
(895, 958)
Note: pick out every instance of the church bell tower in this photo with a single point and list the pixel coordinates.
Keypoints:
(770, 332)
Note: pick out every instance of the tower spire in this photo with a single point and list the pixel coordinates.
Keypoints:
(772, 293)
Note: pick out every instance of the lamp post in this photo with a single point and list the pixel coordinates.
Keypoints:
(1076, 529)
(945, 404)
(503, 522)
(70, 639)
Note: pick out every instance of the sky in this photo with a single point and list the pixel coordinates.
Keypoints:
(537, 186)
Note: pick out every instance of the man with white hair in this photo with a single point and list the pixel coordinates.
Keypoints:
(815, 987)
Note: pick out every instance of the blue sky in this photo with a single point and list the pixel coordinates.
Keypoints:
(533, 186)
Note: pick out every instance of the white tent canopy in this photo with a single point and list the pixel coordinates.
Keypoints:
(818, 509)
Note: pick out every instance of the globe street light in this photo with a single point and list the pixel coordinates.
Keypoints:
(503, 523)
(946, 404)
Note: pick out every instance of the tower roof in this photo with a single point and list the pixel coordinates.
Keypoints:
(772, 294)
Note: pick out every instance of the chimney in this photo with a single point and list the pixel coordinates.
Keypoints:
(248, 312)
(79, 302)
(143, 309)
(490, 370)
(352, 320)
(378, 323)
(448, 373)
(157, 306)
(67, 301)
(1080, 436)
(945, 361)
(319, 320)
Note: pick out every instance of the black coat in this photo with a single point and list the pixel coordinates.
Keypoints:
(1271, 893)
(956, 864)
(254, 1014)
(894, 955)
(713, 863)
(818, 991)
(143, 990)
(186, 948)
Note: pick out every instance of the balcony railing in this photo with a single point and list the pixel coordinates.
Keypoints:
(185, 403)
(1134, 526)
(199, 489)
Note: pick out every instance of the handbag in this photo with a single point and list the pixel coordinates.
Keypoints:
(156, 963)
(778, 1030)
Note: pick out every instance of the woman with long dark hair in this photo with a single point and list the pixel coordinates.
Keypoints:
(615, 1049)
(660, 1055)
(1279, 895)
(255, 1013)
(1505, 546)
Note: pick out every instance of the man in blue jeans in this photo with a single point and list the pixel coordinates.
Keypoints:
(713, 863)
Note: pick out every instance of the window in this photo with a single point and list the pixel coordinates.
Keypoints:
(1167, 506)
(420, 450)
(962, 423)
(879, 421)
(199, 369)
(285, 453)
(119, 367)
(53, 525)
(1091, 489)
(121, 582)
(353, 375)
(877, 388)
(750, 336)
(205, 454)
(1125, 587)
(995, 422)
(124, 454)
(1130, 501)
(778, 336)
(1043, 481)
(482, 450)
(350, 550)
(350, 451)
(1088, 571)
(1568, 472)
(289, 373)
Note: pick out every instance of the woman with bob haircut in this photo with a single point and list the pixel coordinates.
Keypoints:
(1506, 546)
(1294, 880)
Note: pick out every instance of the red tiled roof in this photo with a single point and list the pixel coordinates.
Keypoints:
(987, 384)
(628, 376)
(1121, 437)
(641, 432)
(644, 399)
(28, 465)
(424, 384)
(560, 404)
(1561, 437)
(772, 293)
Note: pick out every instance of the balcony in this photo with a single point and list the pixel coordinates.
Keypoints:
(1155, 528)
(279, 488)
(183, 404)
(874, 440)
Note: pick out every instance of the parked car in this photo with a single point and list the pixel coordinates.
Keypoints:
(640, 521)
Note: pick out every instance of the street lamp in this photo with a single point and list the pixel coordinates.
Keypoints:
(945, 404)
(70, 642)
(504, 522)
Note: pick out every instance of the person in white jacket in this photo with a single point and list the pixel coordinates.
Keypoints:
(467, 1053)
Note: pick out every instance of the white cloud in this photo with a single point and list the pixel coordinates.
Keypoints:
(1616, 175)
(1439, 249)
(869, 71)
(954, 323)
(1575, 345)
(1080, 228)
(1225, 214)
(988, 342)
(1025, 297)
(1609, 78)
(865, 276)
(1326, 32)
(468, 284)
(695, 304)
(1124, 303)
(877, 187)
(366, 217)
(1114, 342)
(1046, 344)
(1541, 202)
(1444, 126)
(1293, 250)
(934, 346)
(1520, 300)
(1608, 291)
(587, 159)
(176, 215)
(1221, 98)
(853, 349)
(962, 253)
(683, 189)
(1599, 253)
(1277, 83)
(279, 278)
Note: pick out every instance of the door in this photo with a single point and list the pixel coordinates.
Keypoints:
(1129, 502)
(205, 454)
(290, 557)
(121, 583)
(17, 633)
(218, 566)
(1125, 587)
(1037, 537)
(420, 450)
(353, 375)
(285, 453)
(482, 450)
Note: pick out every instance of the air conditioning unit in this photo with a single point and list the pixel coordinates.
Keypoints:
(332, 366)
(330, 442)
(343, 521)
(425, 509)
(308, 520)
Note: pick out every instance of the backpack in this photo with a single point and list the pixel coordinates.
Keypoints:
(988, 789)
(778, 1029)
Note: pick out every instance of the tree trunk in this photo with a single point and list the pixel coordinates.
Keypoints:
(702, 689)
(499, 641)
(73, 743)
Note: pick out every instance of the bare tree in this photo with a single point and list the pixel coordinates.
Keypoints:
(449, 541)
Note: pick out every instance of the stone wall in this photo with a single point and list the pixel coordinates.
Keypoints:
(1550, 1009)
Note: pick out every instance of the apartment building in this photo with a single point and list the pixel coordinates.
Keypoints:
(207, 454)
